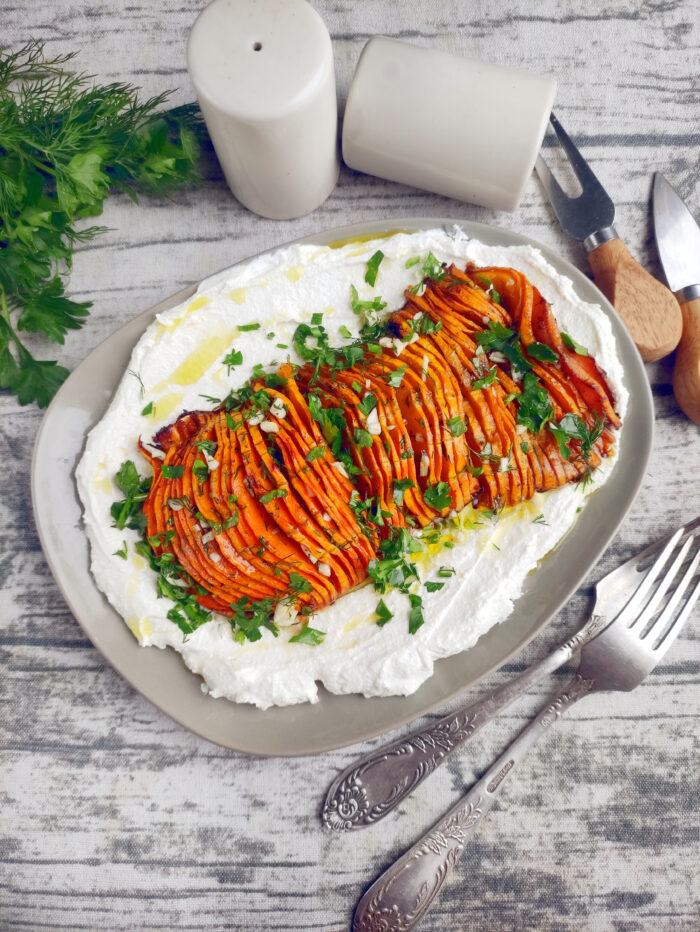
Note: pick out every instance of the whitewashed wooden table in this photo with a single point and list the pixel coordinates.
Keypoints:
(114, 817)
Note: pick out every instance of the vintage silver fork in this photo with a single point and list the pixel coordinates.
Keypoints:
(373, 786)
(618, 658)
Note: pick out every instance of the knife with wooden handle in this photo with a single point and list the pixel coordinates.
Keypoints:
(678, 242)
(647, 308)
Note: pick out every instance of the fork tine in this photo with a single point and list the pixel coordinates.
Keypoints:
(628, 614)
(650, 609)
(581, 168)
(662, 621)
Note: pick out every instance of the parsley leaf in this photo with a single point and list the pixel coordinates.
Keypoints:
(573, 345)
(373, 267)
(272, 495)
(231, 359)
(359, 307)
(456, 426)
(65, 145)
(299, 583)
(315, 453)
(535, 406)
(362, 437)
(395, 378)
(308, 635)
(415, 616)
(383, 614)
(542, 352)
(438, 496)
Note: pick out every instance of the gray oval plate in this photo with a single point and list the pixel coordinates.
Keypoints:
(335, 721)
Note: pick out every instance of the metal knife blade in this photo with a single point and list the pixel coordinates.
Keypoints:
(678, 240)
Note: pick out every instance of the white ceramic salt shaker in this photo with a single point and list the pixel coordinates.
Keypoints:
(457, 126)
(263, 72)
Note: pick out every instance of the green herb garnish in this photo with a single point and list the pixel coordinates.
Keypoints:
(438, 496)
(233, 358)
(383, 614)
(308, 635)
(415, 616)
(573, 345)
(373, 267)
(542, 352)
(65, 146)
(456, 426)
(272, 495)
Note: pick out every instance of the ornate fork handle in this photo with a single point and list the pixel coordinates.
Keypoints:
(399, 899)
(369, 789)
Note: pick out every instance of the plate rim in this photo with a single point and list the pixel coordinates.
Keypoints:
(641, 406)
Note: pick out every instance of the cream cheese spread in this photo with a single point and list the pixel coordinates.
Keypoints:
(177, 365)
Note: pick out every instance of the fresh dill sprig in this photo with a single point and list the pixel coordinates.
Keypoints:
(64, 145)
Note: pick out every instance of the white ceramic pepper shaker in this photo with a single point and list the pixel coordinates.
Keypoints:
(263, 72)
(457, 126)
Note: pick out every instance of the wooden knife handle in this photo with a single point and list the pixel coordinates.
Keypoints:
(686, 374)
(647, 308)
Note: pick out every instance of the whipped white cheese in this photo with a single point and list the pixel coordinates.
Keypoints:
(179, 360)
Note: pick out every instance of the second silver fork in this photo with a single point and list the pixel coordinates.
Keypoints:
(373, 786)
(617, 659)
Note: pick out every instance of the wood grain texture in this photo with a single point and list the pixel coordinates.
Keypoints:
(112, 816)
(647, 308)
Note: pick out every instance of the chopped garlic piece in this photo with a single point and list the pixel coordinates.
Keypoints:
(373, 425)
(424, 464)
(256, 419)
(270, 427)
(336, 464)
(285, 615)
(278, 408)
(324, 569)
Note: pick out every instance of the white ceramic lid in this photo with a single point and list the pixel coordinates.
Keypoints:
(258, 59)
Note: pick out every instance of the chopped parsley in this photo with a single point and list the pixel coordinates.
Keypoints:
(244, 327)
(173, 472)
(573, 345)
(395, 378)
(456, 426)
(299, 583)
(308, 635)
(127, 513)
(383, 614)
(315, 453)
(415, 616)
(362, 437)
(438, 496)
(360, 307)
(486, 380)
(373, 267)
(368, 404)
(535, 407)
(122, 551)
(399, 487)
(149, 409)
(272, 495)
(542, 352)
(232, 359)
(414, 260)
(433, 586)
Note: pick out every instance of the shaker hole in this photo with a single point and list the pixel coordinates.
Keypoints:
(257, 46)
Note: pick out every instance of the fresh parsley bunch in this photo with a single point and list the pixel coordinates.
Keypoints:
(64, 144)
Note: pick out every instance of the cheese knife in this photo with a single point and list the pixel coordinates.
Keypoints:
(647, 308)
(678, 241)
